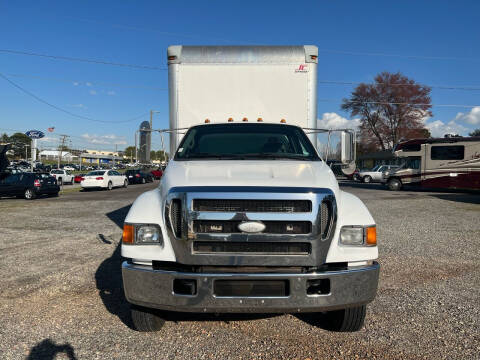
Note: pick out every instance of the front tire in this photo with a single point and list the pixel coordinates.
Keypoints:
(394, 184)
(367, 179)
(125, 183)
(29, 194)
(109, 186)
(345, 320)
(145, 320)
(60, 182)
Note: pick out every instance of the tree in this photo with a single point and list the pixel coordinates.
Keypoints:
(475, 132)
(20, 143)
(391, 110)
(130, 152)
(4, 138)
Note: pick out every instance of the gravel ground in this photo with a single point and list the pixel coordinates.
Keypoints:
(62, 298)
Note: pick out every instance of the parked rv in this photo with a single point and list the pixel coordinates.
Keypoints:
(247, 217)
(447, 163)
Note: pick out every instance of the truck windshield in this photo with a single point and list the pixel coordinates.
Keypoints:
(246, 142)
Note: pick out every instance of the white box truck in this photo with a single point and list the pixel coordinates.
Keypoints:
(247, 216)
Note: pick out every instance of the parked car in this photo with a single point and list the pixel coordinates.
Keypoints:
(138, 177)
(78, 178)
(375, 174)
(69, 168)
(157, 174)
(28, 185)
(63, 176)
(104, 179)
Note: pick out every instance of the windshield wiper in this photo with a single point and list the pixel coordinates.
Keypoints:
(274, 156)
(205, 155)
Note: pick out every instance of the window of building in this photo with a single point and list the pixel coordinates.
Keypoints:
(456, 152)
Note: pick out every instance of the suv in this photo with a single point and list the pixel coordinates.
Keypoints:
(138, 177)
(28, 185)
(375, 174)
(62, 176)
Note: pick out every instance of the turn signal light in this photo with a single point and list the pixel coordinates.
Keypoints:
(127, 237)
(371, 236)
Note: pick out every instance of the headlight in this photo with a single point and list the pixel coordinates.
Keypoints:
(142, 234)
(358, 235)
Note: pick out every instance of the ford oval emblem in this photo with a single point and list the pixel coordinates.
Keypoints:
(251, 227)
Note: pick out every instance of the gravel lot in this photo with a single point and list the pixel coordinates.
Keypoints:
(62, 298)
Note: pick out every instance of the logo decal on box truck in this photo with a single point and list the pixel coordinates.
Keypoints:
(303, 68)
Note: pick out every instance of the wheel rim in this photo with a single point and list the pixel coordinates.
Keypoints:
(28, 194)
(109, 186)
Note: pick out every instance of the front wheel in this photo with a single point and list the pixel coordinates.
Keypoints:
(125, 183)
(367, 179)
(60, 182)
(29, 194)
(145, 320)
(110, 186)
(345, 320)
(394, 184)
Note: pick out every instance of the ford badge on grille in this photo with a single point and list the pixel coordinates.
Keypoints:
(251, 227)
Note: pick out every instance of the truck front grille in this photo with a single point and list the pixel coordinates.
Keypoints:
(265, 206)
(271, 227)
(251, 248)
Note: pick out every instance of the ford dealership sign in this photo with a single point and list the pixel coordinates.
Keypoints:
(35, 134)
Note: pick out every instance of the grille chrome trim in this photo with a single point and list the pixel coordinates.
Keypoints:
(183, 246)
(251, 205)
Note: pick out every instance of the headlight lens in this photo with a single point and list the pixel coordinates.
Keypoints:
(148, 234)
(351, 235)
(358, 235)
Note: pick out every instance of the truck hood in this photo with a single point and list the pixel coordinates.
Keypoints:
(281, 173)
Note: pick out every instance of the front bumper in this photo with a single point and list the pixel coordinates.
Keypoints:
(154, 288)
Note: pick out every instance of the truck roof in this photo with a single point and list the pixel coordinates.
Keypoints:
(242, 54)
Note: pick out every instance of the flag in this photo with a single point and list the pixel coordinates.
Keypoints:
(50, 129)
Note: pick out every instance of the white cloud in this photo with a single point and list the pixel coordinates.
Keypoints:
(75, 83)
(109, 139)
(473, 117)
(88, 83)
(111, 92)
(334, 121)
(438, 128)
(48, 139)
(93, 92)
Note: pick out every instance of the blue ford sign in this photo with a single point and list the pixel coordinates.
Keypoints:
(35, 134)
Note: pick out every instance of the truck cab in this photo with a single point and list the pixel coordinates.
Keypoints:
(247, 216)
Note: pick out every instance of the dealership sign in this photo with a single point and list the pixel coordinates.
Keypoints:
(35, 134)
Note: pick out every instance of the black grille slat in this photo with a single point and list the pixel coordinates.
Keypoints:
(271, 227)
(325, 218)
(240, 205)
(176, 217)
(277, 248)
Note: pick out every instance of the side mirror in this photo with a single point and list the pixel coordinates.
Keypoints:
(348, 147)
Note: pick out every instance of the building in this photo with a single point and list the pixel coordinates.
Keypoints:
(53, 155)
(101, 152)
(99, 157)
(368, 161)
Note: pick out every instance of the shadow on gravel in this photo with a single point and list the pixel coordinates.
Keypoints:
(359, 185)
(460, 197)
(109, 276)
(48, 350)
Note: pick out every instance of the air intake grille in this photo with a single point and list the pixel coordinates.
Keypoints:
(276, 248)
(325, 218)
(238, 205)
(176, 217)
(271, 227)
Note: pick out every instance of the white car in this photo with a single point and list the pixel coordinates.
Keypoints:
(69, 168)
(375, 174)
(63, 176)
(104, 179)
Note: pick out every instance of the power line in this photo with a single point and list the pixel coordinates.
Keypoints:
(66, 111)
(420, 57)
(69, 58)
(443, 87)
(399, 103)
(86, 82)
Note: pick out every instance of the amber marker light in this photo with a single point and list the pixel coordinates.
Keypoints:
(283, 121)
(127, 237)
(207, 121)
(244, 119)
(371, 236)
(230, 119)
(259, 119)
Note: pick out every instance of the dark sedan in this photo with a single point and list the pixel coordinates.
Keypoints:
(28, 185)
(138, 177)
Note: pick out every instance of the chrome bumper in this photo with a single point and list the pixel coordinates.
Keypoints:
(154, 288)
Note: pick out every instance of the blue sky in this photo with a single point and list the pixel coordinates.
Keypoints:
(433, 42)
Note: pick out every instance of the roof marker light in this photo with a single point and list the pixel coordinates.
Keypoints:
(245, 119)
(283, 121)
(259, 119)
(207, 121)
(313, 57)
(172, 57)
(230, 119)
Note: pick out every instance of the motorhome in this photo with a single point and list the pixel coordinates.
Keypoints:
(447, 163)
(247, 216)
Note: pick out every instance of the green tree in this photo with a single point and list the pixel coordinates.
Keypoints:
(130, 152)
(19, 144)
(4, 138)
(475, 132)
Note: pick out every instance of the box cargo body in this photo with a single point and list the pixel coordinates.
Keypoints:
(218, 83)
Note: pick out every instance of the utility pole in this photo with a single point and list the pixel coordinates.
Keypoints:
(26, 152)
(61, 147)
(114, 155)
